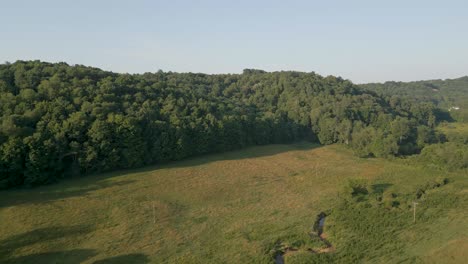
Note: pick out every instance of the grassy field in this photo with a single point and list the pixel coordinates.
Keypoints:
(242, 207)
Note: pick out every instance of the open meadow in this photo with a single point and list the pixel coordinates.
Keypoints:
(244, 206)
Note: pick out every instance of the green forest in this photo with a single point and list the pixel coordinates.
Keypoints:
(59, 120)
(451, 95)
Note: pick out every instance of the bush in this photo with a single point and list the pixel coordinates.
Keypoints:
(357, 187)
(440, 181)
(448, 155)
(389, 200)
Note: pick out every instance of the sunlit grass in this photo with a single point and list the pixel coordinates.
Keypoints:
(233, 207)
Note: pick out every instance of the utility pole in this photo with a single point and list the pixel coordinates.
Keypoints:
(414, 211)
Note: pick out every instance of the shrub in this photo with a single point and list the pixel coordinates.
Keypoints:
(357, 187)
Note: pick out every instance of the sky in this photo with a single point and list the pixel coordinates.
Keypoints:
(363, 41)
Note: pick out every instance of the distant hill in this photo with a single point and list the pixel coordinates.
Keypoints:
(449, 94)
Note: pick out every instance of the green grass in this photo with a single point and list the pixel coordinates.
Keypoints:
(240, 207)
(456, 131)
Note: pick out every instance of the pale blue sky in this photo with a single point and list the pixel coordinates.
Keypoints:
(359, 40)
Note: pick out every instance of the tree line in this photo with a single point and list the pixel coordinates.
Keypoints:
(450, 95)
(450, 99)
(58, 120)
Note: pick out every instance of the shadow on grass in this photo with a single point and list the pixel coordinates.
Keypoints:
(70, 257)
(50, 193)
(41, 235)
(381, 187)
(239, 154)
(9, 246)
(76, 256)
(123, 259)
(83, 185)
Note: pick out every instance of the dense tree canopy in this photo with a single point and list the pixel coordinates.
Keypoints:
(58, 120)
(450, 95)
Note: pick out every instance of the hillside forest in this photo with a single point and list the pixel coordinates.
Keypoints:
(59, 120)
